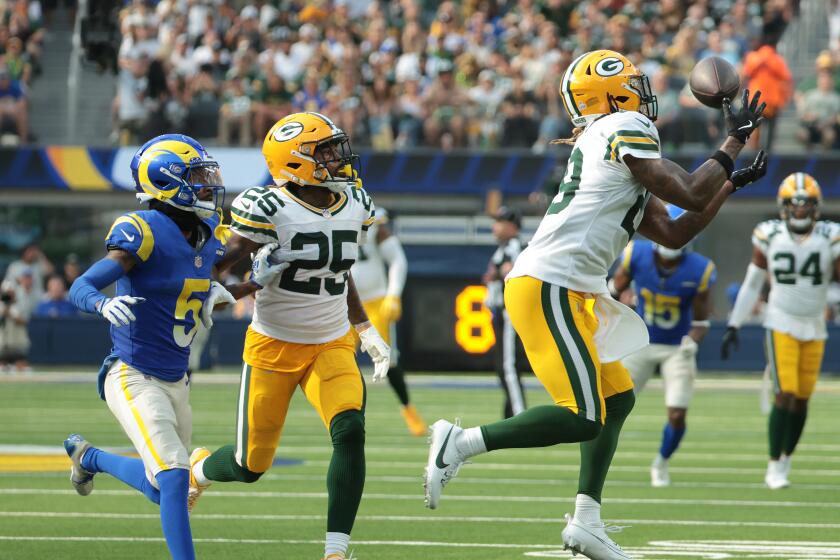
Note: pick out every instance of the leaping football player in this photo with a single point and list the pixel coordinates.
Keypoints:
(614, 168)
(306, 232)
(161, 260)
(800, 253)
(379, 274)
(672, 289)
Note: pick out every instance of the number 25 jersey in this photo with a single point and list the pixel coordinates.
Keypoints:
(800, 268)
(597, 209)
(307, 304)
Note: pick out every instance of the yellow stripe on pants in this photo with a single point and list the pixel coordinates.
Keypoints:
(137, 418)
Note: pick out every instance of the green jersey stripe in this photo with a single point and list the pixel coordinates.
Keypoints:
(548, 313)
(236, 226)
(248, 216)
(629, 146)
(582, 349)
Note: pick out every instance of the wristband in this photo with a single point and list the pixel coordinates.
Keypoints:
(361, 327)
(725, 161)
(705, 323)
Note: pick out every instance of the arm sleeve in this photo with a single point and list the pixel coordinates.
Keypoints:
(249, 220)
(636, 136)
(392, 252)
(132, 234)
(747, 295)
(85, 294)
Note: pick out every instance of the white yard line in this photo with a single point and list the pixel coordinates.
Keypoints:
(416, 519)
(454, 498)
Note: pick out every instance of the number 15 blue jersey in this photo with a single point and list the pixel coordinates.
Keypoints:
(174, 277)
(665, 301)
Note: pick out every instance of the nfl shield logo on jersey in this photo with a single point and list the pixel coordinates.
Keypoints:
(198, 261)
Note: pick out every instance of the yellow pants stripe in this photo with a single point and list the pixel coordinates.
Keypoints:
(137, 418)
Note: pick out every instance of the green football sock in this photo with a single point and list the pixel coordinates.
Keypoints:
(396, 378)
(596, 455)
(796, 423)
(346, 474)
(540, 426)
(777, 430)
(221, 466)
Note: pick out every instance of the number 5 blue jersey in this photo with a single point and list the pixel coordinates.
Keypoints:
(665, 302)
(174, 277)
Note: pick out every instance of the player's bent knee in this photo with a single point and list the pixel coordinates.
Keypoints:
(245, 475)
(348, 428)
(620, 405)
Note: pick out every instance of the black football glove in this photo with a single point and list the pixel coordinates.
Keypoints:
(730, 340)
(743, 177)
(741, 124)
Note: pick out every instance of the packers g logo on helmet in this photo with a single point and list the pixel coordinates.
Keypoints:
(302, 148)
(602, 82)
(799, 199)
(609, 67)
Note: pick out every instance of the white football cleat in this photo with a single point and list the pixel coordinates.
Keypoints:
(444, 460)
(776, 478)
(659, 476)
(784, 460)
(592, 540)
(82, 480)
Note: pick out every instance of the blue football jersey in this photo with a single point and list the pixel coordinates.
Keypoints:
(665, 302)
(174, 277)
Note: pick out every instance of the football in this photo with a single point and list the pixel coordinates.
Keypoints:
(713, 79)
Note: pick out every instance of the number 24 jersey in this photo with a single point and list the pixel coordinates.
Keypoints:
(800, 268)
(308, 303)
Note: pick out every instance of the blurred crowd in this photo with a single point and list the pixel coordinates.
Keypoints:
(21, 38)
(474, 73)
(818, 95)
(32, 287)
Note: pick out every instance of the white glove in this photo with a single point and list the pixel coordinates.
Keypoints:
(688, 347)
(377, 349)
(263, 271)
(217, 294)
(117, 311)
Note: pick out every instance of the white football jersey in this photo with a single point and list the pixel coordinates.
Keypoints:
(800, 269)
(370, 273)
(308, 304)
(597, 209)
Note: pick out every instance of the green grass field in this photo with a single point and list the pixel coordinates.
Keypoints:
(507, 504)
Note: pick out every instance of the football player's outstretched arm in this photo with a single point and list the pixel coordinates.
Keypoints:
(394, 256)
(748, 295)
(694, 191)
(237, 248)
(658, 226)
(86, 295)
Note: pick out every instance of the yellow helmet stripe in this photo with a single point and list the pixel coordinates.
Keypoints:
(566, 85)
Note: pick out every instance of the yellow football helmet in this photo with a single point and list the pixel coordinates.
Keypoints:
(602, 82)
(309, 149)
(799, 199)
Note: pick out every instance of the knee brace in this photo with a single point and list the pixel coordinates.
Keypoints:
(348, 428)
